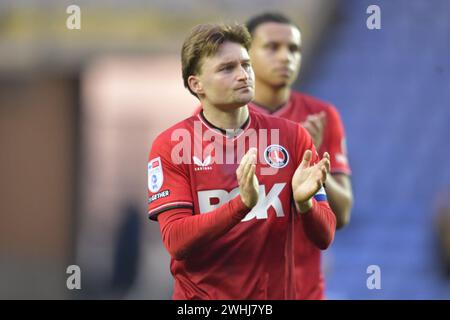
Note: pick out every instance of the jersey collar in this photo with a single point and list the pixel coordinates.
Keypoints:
(276, 112)
(221, 131)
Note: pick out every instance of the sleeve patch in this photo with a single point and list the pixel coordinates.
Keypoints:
(155, 175)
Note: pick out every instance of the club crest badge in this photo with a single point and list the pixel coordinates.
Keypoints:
(276, 156)
(155, 174)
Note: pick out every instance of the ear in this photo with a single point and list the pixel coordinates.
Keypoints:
(195, 85)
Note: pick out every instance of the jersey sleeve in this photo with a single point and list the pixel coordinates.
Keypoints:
(335, 142)
(168, 183)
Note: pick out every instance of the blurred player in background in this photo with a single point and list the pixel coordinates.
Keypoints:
(276, 57)
(228, 224)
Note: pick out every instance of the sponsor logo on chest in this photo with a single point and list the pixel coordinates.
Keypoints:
(260, 211)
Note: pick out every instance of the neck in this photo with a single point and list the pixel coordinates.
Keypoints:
(270, 97)
(226, 119)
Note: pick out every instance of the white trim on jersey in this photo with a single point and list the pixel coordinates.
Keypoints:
(170, 204)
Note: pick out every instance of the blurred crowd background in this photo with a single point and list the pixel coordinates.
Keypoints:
(80, 108)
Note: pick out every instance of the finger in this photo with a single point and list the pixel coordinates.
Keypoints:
(250, 160)
(325, 162)
(240, 169)
(318, 166)
(247, 168)
(250, 175)
(328, 166)
(244, 181)
(252, 151)
(324, 174)
(307, 156)
(326, 156)
(320, 176)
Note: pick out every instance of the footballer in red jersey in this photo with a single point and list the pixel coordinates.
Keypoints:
(276, 57)
(226, 185)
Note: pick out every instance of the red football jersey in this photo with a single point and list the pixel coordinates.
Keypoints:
(309, 278)
(193, 165)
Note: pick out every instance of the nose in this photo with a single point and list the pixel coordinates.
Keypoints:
(244, 74)
(284, 54)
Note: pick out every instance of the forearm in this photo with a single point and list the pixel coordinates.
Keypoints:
(340, 199)
(183, 232)
(319, 224)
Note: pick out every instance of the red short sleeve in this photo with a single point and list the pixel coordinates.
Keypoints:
(335, 142)
(168, 183)
(305, 142)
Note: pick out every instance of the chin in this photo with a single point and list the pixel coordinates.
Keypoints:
(280, 82)
(244, 100)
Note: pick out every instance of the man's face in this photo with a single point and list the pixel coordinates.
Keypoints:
(226, 79)
(276, 53)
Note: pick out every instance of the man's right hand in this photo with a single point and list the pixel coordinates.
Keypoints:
(248, 182)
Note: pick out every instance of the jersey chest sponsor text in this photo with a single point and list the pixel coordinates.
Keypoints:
(212, 199)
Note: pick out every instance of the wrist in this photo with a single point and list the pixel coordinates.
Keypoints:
(248, 202)
(244, 203)
(305, 206)
(238, 208)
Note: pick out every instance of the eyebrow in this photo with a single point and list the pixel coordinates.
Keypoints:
(290, 43)
(223, 64)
